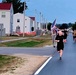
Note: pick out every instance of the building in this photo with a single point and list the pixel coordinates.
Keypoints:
(34, 23)
(23, 25)
(6, 17)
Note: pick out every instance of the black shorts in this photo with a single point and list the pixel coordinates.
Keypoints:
(60, 46)
(74, 36)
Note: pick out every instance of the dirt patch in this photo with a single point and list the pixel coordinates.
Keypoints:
(6, 62)
(29, 66)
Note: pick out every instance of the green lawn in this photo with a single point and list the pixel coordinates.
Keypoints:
(24, 44)
(27, 43)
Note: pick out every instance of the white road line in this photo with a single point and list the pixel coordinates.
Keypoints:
(36, 73)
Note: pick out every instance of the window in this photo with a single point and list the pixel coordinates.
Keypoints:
(3, 15)
(18, 20)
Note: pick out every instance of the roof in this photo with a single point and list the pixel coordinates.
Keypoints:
(5, 6)
(33, 18)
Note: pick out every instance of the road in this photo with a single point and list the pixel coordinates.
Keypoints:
(66, 66)
(44, 51)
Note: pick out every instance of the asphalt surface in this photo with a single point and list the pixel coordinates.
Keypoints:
(43, 51)
(66, 66)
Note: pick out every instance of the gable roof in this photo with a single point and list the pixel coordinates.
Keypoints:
(5, 6)
(33, 18)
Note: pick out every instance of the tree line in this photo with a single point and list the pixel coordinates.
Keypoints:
(63, 25)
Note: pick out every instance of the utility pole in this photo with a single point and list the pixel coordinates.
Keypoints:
(24, 20)
(40, 20)
(35, 18)
(46, 24)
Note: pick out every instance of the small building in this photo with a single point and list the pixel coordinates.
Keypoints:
(6, 17)
(23, 23)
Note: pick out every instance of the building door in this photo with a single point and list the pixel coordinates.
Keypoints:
(18, 29)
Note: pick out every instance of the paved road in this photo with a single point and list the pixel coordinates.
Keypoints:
(66, 66)
(44, 51)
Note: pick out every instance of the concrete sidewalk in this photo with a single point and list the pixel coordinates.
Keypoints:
(12, 40)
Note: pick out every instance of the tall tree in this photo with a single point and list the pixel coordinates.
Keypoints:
(3, 1)
(74, 26)
(49, 26)
(18, 6)
(64, 26)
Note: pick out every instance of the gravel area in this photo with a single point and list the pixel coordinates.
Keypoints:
(30, 64)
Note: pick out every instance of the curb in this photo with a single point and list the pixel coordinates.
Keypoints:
(37, 72)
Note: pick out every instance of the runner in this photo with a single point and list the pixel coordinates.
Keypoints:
(74, 35)
(60, 43)
(65, 34)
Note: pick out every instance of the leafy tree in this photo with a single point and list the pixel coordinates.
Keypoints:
(64, 26)
(58, 25)
(3, 1)
(18, 6)
(70, 24)
(49, 26)
(74, 26)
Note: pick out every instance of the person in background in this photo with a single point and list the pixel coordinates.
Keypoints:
(65, 34)
(74, 35)
(53, 33)
(60, 43)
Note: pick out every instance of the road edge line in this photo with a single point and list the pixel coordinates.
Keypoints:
(36, 73)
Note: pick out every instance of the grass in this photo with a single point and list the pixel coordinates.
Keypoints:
(30, 42)
(24, 44)
(6, 62)
(4, 59)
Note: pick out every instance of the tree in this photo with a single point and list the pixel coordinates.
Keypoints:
(64, 26)
(49, 26)
(74, 26)
(18, 6)
(3, 1)
(70, 24)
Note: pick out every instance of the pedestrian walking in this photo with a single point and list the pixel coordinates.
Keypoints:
(53, 33)
(60, 43)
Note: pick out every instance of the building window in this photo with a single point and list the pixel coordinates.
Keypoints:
(32, 28)
(3, 15)
(18, 20)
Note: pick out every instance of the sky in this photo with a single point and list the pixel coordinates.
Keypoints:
(64, 11)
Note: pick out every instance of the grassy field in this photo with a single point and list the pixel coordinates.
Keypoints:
(29, 42)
